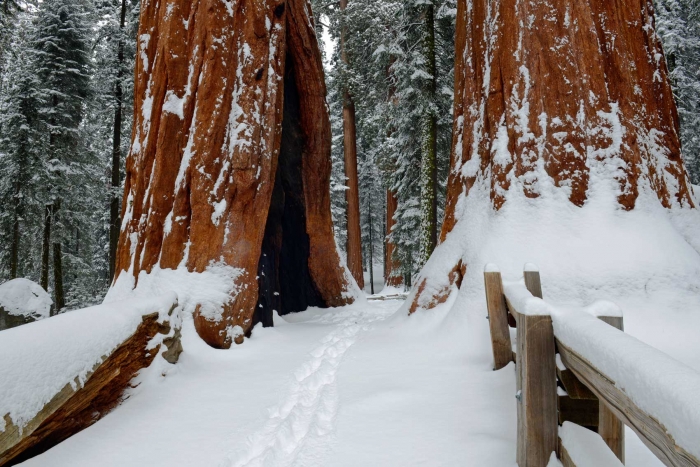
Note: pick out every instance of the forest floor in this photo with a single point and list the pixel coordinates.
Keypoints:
(355, 386)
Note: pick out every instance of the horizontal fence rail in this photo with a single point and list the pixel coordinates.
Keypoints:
(577, 368)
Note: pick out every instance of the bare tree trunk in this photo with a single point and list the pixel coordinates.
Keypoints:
(392, 267)
(58, 278)
(14, 251)
(428, 235)
(57, 262)
(114, 205)
(371, 247)
(46, 244)
(352, 194)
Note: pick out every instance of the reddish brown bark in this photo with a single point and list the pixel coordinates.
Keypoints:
(392, 267)
(560, 93)
(352, 194)
(210, 87)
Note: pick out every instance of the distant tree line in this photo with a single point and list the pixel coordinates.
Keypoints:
(65, 117)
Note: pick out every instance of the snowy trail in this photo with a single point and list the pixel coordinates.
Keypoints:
(299, 428)
(344, 387)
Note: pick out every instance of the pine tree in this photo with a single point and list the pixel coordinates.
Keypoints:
(22, 145)
(386, 76)
(678, 25)
(428, 176)
(61, 47)
(58, 142)
(111, 109)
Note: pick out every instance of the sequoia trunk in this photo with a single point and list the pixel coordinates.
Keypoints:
(565, 99)
(352, 193)
(221, 88)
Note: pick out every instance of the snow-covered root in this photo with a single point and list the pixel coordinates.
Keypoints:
(300, 427)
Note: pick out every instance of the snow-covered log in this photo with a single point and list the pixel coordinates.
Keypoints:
(565, 152)
(60, 375)
(230, 159)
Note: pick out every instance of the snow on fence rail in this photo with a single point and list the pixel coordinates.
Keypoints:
(62, 374)
(601, 378)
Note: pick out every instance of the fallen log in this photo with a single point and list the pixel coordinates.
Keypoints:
(61, 375)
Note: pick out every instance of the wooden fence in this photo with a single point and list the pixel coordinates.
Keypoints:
(556, 385)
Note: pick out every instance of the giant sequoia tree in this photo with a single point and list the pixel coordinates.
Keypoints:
(230, 161)
(562, 109)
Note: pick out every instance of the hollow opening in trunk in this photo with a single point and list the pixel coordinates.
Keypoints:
(284, 281)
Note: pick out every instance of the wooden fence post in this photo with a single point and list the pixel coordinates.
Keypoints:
(610, 428)
(531, 274)
(537, 386)
(498, 319)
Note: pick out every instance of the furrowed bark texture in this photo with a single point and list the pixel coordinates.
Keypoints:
(210, 80)
(556, 94)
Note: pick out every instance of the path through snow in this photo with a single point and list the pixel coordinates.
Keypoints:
(348, 387)
(300, 426)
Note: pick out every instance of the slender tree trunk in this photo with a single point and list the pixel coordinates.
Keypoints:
(384, 227)
(114, 205)
(46, 244)
(14, 251)
(58, 278)
(371, 247)
(392, 268)
(428, 234)
(57, 261)
(352, 194)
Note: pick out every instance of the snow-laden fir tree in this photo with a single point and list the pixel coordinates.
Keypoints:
(678, 25)
(61, 48)
(22, 148)
(395, 103)
(59, 84)
(110, 110)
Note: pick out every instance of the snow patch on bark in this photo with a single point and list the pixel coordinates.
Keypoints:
(210, 290)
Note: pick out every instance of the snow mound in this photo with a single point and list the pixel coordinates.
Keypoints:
(588, 253)
(41, 358)
(22, 297)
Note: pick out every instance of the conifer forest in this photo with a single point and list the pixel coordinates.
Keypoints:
(300, 233)
(66, 112)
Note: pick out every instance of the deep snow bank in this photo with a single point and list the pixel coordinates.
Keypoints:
(597, 251)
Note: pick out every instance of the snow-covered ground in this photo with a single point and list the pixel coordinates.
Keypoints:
(360, 385)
